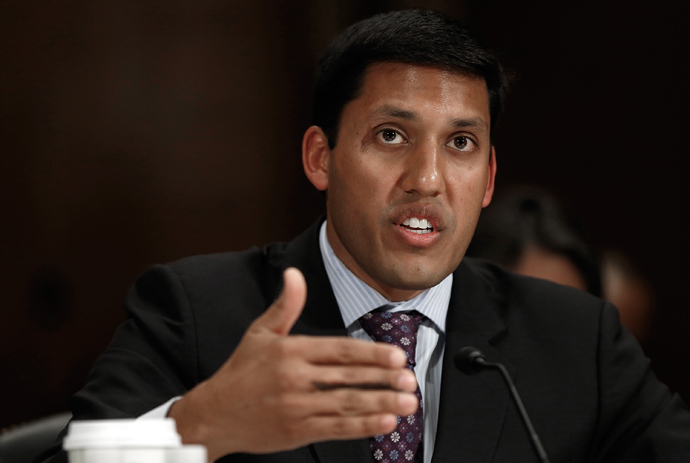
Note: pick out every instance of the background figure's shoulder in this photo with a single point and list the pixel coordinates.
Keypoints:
(524, 296)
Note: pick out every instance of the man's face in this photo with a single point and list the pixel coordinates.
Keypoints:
(410, 173)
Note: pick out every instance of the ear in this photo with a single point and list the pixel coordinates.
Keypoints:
(488, 194)
(315, 157)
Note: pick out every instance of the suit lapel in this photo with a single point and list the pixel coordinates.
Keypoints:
(321, 317)
(473, 407)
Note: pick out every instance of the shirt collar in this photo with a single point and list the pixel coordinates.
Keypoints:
(355, 298)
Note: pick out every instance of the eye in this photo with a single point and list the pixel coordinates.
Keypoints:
(461, 143)
(390, 137)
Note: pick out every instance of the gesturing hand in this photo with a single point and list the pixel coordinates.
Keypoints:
(278, 392)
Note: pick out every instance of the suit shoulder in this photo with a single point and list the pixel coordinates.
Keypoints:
(251, 259)
(533, 295)
(254, 271)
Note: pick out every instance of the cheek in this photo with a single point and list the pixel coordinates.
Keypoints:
(363, 179)
(467, 195)
(350, 191)
(468, 185)
(480, 181)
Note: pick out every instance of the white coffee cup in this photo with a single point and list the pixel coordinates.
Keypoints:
(129, 441)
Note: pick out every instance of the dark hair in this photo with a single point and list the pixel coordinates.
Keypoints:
(527, 216)
(417, 37)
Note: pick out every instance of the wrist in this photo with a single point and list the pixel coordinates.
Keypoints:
(191, 418)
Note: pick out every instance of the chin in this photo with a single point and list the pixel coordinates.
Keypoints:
(418, 281)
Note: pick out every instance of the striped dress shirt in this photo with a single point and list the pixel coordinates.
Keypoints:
(355, 298)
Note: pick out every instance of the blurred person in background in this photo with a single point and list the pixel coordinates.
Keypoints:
(629, 290)
(527, 231)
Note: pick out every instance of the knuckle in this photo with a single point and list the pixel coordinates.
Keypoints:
(368, 426)
(289, 377)
(341, 428)
(292, 430)
(351, 401)
(386, 401)
(300, 375)
(344, 375)
(345, 352)
(283, 348)
(285, 404)
(285, 413)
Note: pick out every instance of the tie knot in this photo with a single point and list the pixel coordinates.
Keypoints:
(397, 328)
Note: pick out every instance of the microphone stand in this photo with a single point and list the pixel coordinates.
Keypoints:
(470, 360)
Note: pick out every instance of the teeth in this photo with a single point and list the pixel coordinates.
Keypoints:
(419, 226)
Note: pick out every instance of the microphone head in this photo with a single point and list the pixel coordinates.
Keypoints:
(469, 360)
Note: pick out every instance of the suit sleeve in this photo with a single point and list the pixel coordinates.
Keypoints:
(152, 357)
(639, 420)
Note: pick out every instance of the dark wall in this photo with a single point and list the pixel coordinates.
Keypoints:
(135, 132)
(599, 116)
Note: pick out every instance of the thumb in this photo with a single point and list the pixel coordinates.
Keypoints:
(284, 312)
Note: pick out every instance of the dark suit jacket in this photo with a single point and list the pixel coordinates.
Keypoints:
(584, 380)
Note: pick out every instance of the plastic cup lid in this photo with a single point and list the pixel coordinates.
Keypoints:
(187, 454)
(122, 433)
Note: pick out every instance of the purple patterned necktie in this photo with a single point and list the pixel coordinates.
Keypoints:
(400, 329)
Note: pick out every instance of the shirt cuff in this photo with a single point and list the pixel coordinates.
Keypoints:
(161, 411)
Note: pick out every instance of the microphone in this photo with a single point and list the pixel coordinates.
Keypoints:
(470, 360)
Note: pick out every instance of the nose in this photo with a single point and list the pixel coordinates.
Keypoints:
(423, 171)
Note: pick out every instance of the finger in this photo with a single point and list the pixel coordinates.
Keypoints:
(284, 312)
(364, 378)
(323, 428)
(349, 402)
(348, 351)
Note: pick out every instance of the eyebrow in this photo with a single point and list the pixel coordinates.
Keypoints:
(392, 111)
(473, 122)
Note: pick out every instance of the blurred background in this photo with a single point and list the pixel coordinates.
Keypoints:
(138, 132)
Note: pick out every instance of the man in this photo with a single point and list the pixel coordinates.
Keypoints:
(405, 107)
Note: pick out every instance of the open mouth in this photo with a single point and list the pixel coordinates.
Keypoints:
(419, 226)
